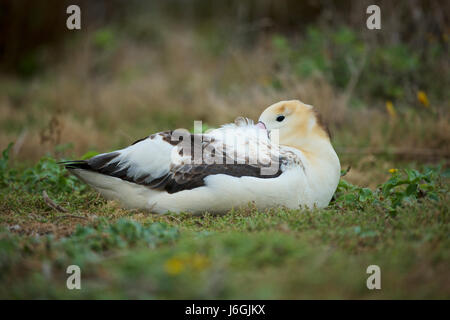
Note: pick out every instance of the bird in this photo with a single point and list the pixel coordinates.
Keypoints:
(286, 160)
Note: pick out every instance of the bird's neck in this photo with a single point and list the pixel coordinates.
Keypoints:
(319, 152)
(322, 168)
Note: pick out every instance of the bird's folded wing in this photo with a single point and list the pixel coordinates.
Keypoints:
(162, 162)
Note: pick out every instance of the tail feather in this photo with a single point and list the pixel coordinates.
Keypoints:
(76, 164)
(101, 163)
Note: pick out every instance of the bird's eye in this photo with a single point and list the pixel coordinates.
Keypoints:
(280, 118)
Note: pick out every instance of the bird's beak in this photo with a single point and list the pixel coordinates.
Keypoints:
(261, 125)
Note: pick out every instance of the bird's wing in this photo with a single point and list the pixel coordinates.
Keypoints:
(167, 162)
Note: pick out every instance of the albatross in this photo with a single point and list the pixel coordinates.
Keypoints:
(286, 159)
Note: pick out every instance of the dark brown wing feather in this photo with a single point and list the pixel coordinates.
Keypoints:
(190, 176)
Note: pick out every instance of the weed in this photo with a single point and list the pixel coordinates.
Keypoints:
(404, 187)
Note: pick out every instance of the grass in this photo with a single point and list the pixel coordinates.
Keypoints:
(401, 226)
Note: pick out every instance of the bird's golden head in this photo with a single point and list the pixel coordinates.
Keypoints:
(295, 122)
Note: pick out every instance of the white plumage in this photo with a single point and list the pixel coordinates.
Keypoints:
(162, 175)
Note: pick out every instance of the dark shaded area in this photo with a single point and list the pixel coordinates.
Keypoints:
(31, 28)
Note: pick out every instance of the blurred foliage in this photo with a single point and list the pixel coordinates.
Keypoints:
(387, 72)
(28, 40)
(34, 32)
(104, 39)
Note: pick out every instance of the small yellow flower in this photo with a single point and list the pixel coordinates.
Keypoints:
(174, 266)
(422, 97)
(390, 109)
(199, 262)
(393, 170)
